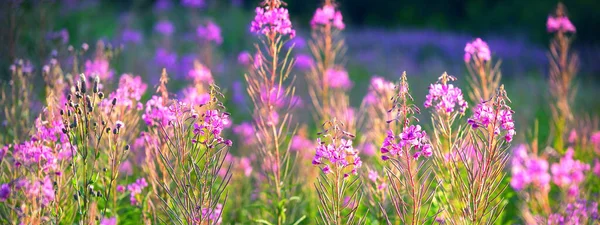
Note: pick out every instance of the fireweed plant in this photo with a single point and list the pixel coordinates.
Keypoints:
(484, 75)
(327, 79)
(484, 158)
(447, 108)
(563, 69)
(559, 186)
(373, 125)
(406, 150)
(338, 187)
(193, 158)
(15, 99)
(272, 92)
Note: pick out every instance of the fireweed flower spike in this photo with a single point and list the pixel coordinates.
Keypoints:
(406, 150)
(484, 75)
(272, 92)
(339, 163)
(328, 80)
(447, 107)
(564, 65)
(492, 130)
(193, 145)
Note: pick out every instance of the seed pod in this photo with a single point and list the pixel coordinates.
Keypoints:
(96, 84)
(101, 95)
(127, 147)
(114, 101)
(83, 83)
(108, 130)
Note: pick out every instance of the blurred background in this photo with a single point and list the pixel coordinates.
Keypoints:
(383, 37)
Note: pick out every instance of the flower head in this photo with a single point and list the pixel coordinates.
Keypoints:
(411, 138)
(164, 27)
(497, 117)
(328, 16)
(529, 169)
(479, 49)
(136, 188)
(270, 21)
(569, 173)
(210, 32)
(559, 24)
(98, 67)
(338, 78)
(334, 153)
(445, 97)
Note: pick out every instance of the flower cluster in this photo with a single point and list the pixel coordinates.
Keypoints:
(272, 21)
(109, 221)
(245, 132)
(528, 169)
(201, 74)
(130, 91)
(210, 32)
(136, 188)
(212, 124)
(379, 181)
(42, 189)
(157, 114)
(98, 67)
(559, 24)
(193, 3)
(193, 97)
(479, 49)
(569, 173)
(328, 16)
(445, 97)
(411, 138)
(337, 156)
(337, 78)
(164, 27)
(213, 215)
(499, 119)
(579, 212)
(379, 87)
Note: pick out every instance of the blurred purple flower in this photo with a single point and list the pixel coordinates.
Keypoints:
(328, 16)
(528, 169)
(561, 24)
(304, 62)
(164, 27)
(246, 133)
(99, 67)
(193, 3)
(338, 78)
(4, 192)
(108, 221)
(191, 96)
(132, 36)
(479, 49)
(569, 173)
(162, 5)
(165, 59)
(210, 32)
(135, 189)
(445, 97)
(244, 58)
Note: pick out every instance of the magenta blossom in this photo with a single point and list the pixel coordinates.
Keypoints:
(193, 3)
(246, 133)
(272, 21)
(340, 156)
(478, 49)
(244, 58)
(201, 74)
(191, 96)
(4, 192)
(164, 27)
(445, 97)
(98, 67)
(135, 189)
(528, 170)
(328, 16)
(338, 78)
(569, 173)
(210, 32)
(109, 221)
(500, 120)
(560, 24)
(411, 138)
